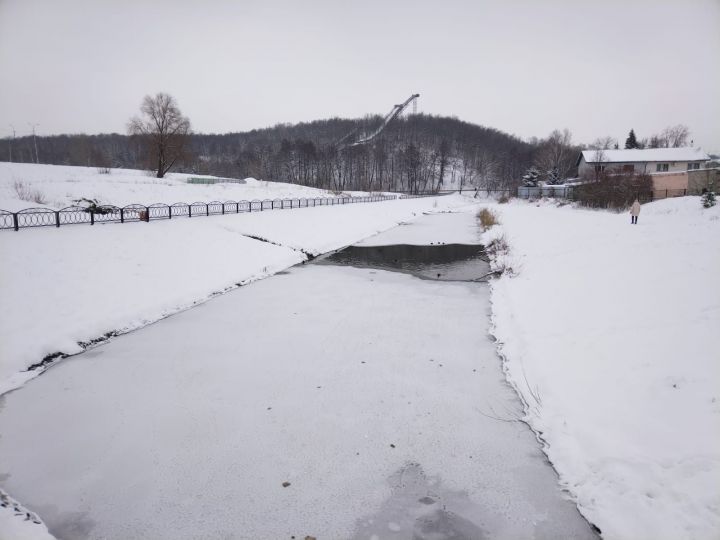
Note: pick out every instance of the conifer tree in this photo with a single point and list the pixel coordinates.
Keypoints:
(631, 141)
(531, 177)
(708, 198)
(553, 176)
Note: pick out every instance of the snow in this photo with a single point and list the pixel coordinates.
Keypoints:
(646, 154)
(343, 382)
(75, 284)
(19, 523)
(458, 227)
(606, 330)
(609, 333)
(60, 185)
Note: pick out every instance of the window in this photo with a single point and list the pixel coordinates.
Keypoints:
(628, 168)
(693, 166)
(599, 168)
(662, 167)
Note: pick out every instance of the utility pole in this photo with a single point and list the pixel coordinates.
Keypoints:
(11, 142)
(33, 126)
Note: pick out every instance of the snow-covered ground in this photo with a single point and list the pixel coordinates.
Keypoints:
(609, 332)
(19, 523)
(64, 286)
(458, 227)
(56, 186)
(327, 401)
(60, 288)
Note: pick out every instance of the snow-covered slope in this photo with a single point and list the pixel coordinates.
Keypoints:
(56, 186)
(59, 287)
(609, 332)
(63, 286)
(19, 523)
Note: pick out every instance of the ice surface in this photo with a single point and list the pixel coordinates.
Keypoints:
(366, 390)
(460, 226)
(74, 284)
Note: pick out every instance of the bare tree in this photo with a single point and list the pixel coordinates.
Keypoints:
(163, 128)
(443, 156)
(556, 156)
(675, 136)
(671, 137)
(599, 158)
(655, 142)
(604, 143)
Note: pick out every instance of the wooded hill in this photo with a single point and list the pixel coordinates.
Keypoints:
(415, 153)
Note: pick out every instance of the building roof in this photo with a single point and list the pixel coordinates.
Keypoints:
(636, 155)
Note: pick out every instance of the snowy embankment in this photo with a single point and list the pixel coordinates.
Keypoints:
(609, 333)
(26, 185)
(62, 287)
(19, 523)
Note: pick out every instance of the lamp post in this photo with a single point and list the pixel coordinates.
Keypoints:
(33, 126)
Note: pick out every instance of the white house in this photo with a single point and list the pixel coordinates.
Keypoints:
(675, 170)
(642, 161)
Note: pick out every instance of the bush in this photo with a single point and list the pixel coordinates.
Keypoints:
(613, 190)
(487, 218)
(499, 253)
(708, 199)
(92, 205)
(504, 199)
(26, 193)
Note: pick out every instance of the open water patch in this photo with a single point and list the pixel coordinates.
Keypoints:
(442, 262)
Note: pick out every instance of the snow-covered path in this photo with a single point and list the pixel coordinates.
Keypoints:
(367, 391)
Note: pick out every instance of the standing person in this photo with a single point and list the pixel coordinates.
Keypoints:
(634, 212)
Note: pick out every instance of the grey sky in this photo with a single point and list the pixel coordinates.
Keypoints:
(525, 67)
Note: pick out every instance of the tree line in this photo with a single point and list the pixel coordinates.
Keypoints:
(414, 153)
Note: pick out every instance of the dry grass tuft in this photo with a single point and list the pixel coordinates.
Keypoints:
(487, 218)
(27, 193)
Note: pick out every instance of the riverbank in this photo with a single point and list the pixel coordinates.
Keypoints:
(609, 333)
(340, 398)
(64, 289)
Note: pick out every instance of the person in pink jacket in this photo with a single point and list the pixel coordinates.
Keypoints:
(634, 212)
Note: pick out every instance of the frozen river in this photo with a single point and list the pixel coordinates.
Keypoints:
(330, 401)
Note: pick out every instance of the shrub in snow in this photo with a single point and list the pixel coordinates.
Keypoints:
(708, 199)
(25, 193)
(487, 218)
(498, 251)
(496, 246)
(613, 190)
(91, 205)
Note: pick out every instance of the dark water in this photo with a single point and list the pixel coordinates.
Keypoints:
(448, 262)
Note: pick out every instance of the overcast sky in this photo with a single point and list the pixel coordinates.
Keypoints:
(525, 67)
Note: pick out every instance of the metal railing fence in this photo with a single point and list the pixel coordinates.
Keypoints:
(568, 192)
(74, 215)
